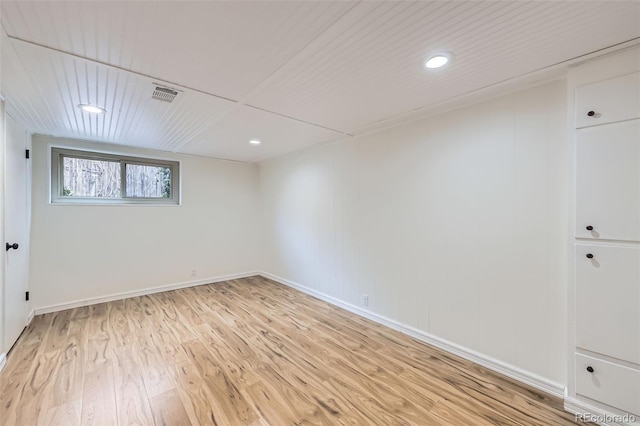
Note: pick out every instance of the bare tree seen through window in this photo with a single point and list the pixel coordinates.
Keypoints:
(148, 181)
(91, 178)
(102, 179)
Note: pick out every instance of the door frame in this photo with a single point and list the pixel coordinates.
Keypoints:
(3, 350)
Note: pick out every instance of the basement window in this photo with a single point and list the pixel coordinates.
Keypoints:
(98, 178)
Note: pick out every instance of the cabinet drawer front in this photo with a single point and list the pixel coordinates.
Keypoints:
(608, 300)
(610, 101)
(608, 182)
(609, 383)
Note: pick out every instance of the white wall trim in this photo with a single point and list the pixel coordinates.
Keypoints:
(32, 313)
(576, 406)
(3, 361)
(493, 364)
(135, 293)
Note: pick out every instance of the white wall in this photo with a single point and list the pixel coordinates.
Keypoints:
(455, 225)
(89, 251)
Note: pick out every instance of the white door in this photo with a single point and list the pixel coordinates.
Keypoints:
(608, 182)
(15, 231)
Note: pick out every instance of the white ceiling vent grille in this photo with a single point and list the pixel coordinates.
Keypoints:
(164, 94)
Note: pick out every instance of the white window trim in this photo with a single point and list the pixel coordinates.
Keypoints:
(57, 155)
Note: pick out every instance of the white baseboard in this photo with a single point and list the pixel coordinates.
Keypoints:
(30, 317)
(498, 366)
(3, 361)
(599, 415)
(135, 293)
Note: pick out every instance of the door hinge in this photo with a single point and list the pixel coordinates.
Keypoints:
(27, 154)
(26, 296)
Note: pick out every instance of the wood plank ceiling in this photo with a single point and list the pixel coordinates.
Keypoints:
(292, 74)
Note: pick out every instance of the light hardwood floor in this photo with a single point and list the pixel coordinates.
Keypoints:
(247, 351)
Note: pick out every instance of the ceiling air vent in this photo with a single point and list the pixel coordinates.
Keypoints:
(164, 94)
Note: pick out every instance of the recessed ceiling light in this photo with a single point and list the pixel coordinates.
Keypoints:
(255, 142)
(438, 60)
(92, 109)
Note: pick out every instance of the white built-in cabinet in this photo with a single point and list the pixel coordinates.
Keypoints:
(605, 321)
(608, 300)
(610, 383)
(608, 182)
(621, 101)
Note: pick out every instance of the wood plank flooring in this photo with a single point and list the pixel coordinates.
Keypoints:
(247, 352)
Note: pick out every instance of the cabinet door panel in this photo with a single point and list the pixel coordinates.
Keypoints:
(610, 383)
(608, 300)
(611, 100)
(608, 182)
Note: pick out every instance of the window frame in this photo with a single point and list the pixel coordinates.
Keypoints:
(57, 177)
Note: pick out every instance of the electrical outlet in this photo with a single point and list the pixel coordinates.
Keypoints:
(365, 299)
(194, 272)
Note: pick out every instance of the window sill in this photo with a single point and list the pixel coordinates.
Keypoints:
(114, 203)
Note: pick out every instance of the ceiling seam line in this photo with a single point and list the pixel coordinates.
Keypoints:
(29, 77)
(241, 101)
(120, 68)
(426, 108)
(297, 119)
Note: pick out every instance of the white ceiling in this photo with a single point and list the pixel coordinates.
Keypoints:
(292, 74)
